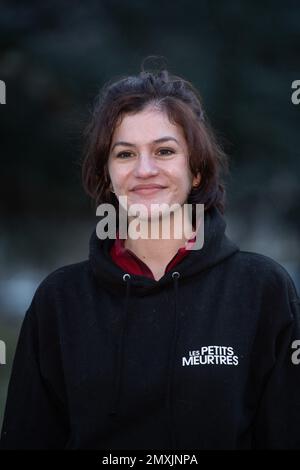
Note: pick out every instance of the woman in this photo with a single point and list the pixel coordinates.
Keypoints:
(151, 344)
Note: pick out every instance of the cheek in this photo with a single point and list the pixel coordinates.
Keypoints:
(121, 181)
(183, 179)
(110, 170)
(116, 175)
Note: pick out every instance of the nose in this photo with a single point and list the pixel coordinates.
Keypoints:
(145, 166)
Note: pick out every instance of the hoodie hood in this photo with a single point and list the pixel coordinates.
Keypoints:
(216, 248)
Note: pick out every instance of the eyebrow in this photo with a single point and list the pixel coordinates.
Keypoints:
(161, 139)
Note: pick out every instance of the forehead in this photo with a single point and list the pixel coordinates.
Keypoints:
(149, 124)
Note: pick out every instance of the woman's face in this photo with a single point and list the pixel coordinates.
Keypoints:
(148, 160)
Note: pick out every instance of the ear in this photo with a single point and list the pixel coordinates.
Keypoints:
(196, 180)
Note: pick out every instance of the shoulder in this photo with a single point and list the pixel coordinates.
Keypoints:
(65, 275)
(264, 271)
(56, 284)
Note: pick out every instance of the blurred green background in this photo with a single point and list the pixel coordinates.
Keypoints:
(54, 56)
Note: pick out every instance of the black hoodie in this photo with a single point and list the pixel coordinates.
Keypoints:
(204, 358)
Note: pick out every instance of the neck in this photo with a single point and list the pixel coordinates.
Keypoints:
(157, 244)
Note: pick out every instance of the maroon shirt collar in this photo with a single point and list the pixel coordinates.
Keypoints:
(130, 263)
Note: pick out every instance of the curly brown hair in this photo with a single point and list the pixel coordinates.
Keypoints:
(182, 103)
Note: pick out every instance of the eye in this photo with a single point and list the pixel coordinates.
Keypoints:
(123, 155)
(167, 150)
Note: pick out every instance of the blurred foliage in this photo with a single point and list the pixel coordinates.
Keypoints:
(9, 331)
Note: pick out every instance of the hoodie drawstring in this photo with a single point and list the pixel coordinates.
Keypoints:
(171, 358)
(172, 352)
(120, 354)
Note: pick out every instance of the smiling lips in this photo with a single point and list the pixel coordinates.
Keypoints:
(147, 188)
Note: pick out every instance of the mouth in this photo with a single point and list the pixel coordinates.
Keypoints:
(145, 190)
